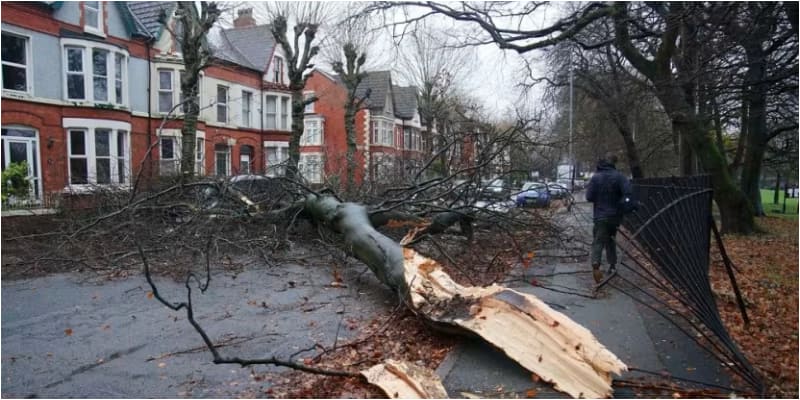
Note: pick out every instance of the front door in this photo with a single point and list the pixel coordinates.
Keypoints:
(22, 145)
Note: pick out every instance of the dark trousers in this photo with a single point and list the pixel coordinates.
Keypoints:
(603, 238)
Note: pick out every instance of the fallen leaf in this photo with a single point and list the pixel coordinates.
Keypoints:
(162, 365)
(68, 331)
(530, 393)
(535, 378)
(149, 295)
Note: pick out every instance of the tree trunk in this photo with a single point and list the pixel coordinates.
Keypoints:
(350, 131)
(756, 98)
(621, 120)
(298, 113)
(540, 339)
(189, 131)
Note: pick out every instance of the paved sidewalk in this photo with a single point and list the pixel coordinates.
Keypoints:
(637, 335)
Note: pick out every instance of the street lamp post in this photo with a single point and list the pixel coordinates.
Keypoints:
(571, 154)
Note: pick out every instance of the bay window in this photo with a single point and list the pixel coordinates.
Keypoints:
(95, 72)
(382, 133)
(98, 152)
(16, 63)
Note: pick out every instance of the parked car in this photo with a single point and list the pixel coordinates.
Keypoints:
(532, 194)
(557, 190)
(496, 189)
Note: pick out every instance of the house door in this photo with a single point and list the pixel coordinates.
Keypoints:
(21, 145)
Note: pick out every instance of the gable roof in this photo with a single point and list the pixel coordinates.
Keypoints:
(405, 101)
(249, 47)
(146, 14)
(380, 85)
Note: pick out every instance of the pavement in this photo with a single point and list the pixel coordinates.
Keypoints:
(637, 335)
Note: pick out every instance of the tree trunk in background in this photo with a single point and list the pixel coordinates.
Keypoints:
(298, 125)
(350, 131)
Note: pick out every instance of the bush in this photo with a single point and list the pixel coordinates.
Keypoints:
(15, 182)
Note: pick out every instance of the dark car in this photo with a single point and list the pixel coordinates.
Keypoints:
(557, 190)
(496, 190)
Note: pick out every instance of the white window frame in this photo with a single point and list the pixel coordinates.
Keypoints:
(221, 103)
(95, 76)
(312, 175)
(200, 153)
(250, 158)
(282, 153)
(99, 29)
(228, 153)
(160, 90)
(309, 108)
(87, 48)
(27, 66)
(313, 132)
(277, 72)
(247, 112)
(285, 113)
(169, 166)
(271, 114)
(90, 126)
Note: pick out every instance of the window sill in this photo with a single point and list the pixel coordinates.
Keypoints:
(94, 188)
(17, 94)
(94, 31)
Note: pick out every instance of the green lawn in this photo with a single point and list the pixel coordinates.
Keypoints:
(776, 209)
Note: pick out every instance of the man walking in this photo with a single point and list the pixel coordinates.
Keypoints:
(607, 190)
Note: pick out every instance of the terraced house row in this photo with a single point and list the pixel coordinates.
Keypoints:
(86, 86)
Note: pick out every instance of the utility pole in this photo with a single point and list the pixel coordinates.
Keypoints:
(571, 154)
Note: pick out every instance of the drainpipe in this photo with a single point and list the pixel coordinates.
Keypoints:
(261, 118)
(149, 109)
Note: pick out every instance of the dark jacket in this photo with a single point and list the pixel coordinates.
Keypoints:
(606, 190)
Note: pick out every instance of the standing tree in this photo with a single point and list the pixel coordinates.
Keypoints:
(191, 31)
(348, 57)
(307, 19)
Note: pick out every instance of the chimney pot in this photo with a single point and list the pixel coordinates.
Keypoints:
(244, 18)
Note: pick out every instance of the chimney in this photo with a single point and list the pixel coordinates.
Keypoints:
(244, 19)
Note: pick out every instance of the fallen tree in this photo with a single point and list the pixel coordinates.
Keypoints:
(539, 338)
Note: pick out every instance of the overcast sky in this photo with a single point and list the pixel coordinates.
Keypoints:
(492, 75)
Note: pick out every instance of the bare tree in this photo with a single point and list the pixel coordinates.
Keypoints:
(191, 33)
(300, 47)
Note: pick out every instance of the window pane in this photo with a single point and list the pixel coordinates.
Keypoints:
(222, 113)
(14, 49)
(200, 148)
(222, 94)
(19, 152)
(91, 18)
(74, 60)
(78, 171)
(164, 101)
(121, 170)
(100, 62)
(100, 88)
(165, 80)
(167, 148)
(272, 104)
(102, 142)
(103, 171)
(14, 78)
(75, 89)
(118, 62)
(118, 91)
(77, 142)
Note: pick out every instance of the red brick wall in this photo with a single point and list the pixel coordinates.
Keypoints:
(332, 98)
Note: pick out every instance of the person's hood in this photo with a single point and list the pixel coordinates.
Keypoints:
(604, 165)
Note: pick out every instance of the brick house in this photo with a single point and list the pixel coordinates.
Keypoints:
(86, 86)
(389, 130)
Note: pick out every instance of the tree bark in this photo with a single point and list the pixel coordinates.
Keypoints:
(540, 339)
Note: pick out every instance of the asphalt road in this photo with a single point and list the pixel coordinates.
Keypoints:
(64, 337)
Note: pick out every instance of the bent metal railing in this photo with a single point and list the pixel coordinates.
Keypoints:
(668, 241)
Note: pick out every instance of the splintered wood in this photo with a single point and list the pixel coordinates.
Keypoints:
(401, 380)
(542, 340)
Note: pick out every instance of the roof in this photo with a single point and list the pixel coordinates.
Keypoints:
(405, 101)
(250, 46)
(379, 83)
(146, 14)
